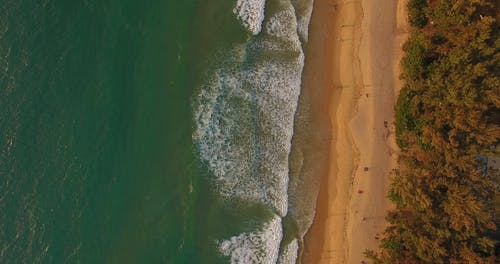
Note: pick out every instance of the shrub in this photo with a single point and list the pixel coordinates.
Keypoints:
(416, 13)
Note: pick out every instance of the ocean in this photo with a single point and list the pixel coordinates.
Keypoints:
(152, 132)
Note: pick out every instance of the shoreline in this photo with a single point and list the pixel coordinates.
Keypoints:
(361, 70)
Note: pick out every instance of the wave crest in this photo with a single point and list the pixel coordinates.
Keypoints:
(260, 246)
(251, 14)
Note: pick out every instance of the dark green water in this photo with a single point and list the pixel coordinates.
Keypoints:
(96, 156)
(151, 132)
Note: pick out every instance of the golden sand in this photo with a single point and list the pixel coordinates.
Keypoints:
(356, 47)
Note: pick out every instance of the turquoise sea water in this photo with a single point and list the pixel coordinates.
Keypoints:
(148, 132)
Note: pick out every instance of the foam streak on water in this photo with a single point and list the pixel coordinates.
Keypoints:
(289, 253)
(244, 117)
(254, 247)
(251, 14)
(303, 9)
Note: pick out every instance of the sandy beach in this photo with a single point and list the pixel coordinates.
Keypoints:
(359, 65)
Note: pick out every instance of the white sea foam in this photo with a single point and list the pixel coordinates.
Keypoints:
(244, 129)
(244, 118)
(251, 14)
(289, 253)
(303, 12)
(257, 247)
(244, 115)
(283, 24)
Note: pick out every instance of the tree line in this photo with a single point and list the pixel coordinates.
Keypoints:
(447, 126)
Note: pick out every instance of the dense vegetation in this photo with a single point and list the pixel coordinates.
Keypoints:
(447, 124)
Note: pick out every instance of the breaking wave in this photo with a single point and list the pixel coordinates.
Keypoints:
(254, 247)
(244, 119)
(289, 253)
(250, 13)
